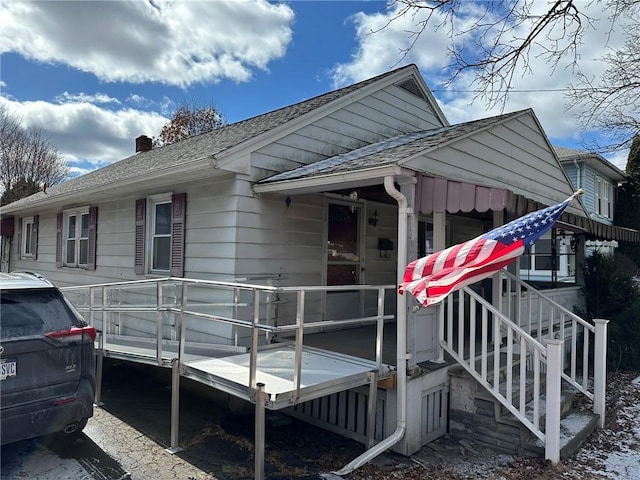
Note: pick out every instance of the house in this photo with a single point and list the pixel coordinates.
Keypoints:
(341, 189)
(553, 258)
(600, 180)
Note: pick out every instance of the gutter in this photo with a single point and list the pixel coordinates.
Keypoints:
(401, 340)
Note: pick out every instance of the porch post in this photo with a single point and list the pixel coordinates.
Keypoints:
(600, 369)
(553, 414)
(440, 243)
(496, 291)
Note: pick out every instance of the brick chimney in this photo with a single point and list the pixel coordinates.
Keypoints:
(143, 144)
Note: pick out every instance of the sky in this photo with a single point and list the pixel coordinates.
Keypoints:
(95, 75)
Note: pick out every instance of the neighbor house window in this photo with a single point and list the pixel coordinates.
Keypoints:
(28, 234)
(604, 198)
(159, 234)
(76, 238)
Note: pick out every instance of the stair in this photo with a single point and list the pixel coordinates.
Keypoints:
(482, 418)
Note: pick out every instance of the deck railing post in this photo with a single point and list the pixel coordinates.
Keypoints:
(553, 413)
(297, 367)
(599, 369)
(159, 302)
(253, 354)
(99, 366)
(175, 405)
(259, 433)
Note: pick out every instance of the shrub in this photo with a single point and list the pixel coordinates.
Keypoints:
(611, 293)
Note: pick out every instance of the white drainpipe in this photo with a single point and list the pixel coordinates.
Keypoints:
(401, 341)
(578, 174)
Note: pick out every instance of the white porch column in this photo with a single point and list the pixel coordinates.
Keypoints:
(439, 243)
(496, 291)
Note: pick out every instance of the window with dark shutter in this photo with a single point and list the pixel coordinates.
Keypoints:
(93, 229)
(179, 209)
(140, 227)
(34, 237)
(59, 227)
(19, 234)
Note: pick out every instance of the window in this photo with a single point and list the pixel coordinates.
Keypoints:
(604, 198)
(76, 238)
(425, 238)
(28, 234)
(539, 263)
(159, 234)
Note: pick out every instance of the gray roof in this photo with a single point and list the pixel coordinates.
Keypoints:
(390, 151)
(600, 163)
(193, 148)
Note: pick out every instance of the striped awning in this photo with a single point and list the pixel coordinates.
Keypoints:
(436, 194)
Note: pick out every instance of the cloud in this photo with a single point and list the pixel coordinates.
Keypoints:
(96, 98)
(87, 135)
(171, 42)
(382, 45)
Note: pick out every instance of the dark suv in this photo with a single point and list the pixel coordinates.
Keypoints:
(47, 362)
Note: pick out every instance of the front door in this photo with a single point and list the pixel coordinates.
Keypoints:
(345, 262)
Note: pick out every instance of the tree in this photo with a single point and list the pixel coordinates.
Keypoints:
(27, 160)
(627, 213)
(188, 120)
(495, 39)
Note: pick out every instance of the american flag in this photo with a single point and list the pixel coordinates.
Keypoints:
(430, 279)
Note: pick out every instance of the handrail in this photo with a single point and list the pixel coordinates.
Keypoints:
(182, 310)
(535, 355)
(569, 326)
(462, 348)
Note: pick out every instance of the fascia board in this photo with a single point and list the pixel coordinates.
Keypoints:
(323, 182)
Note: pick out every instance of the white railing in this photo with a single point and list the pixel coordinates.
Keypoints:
(522, 372)
(583, 344)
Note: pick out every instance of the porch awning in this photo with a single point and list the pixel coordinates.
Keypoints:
(436, 194)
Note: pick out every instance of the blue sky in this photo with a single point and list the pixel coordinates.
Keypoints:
(95, 75)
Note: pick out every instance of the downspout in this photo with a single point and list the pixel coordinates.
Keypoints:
(578, 174)
(401, 340)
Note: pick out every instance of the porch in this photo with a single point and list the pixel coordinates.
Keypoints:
(341, 374)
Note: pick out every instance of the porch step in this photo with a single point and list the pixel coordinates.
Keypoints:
(485, 420)
(575, 429)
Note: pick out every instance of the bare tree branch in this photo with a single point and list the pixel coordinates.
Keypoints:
(27, 157)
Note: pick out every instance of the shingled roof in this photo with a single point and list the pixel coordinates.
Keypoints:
(191, 149)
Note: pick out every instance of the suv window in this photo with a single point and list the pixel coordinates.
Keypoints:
(34, 312)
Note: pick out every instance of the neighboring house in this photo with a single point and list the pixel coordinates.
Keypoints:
(600, 180)
(553, 257)
(310, 194)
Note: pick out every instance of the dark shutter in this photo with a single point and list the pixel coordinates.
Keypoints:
(59, 226)
(141, 215)
(93, 229)
(20, 252)
(179, 210)
(34, 236)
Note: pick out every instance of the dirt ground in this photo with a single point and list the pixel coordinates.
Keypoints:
(218, 443)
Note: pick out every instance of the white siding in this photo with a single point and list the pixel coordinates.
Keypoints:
(386, 113)
(514, 155)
